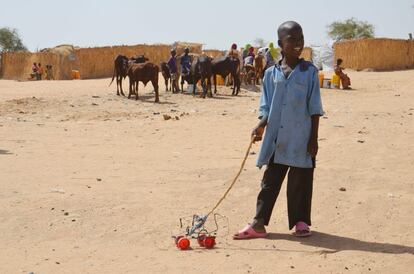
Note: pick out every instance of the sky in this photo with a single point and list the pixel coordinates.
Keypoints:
(215, 23)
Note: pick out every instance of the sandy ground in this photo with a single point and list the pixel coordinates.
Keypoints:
(95, 183)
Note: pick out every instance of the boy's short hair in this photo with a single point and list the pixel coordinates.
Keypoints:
(287, 26)
(339, 61)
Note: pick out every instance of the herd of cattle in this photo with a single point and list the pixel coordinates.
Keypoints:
(203, 68)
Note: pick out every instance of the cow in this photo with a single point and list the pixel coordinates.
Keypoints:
(249, 74)
(139, 59)
(120, 69)
(165, 71)
(224, 66)
(259, 68)
(200, 71)
(144, 72)
(121, 65)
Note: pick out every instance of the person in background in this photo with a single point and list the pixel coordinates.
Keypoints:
(233, 52)
(273, 51)
(246, 51)
(49, 73)
(185, 63)
(251, 52)
(35, 70)
(345, 80)
(249, 59)
(270, 61)
(172, 66)
(40, 71)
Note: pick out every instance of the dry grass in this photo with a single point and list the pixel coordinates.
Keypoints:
(376, 54)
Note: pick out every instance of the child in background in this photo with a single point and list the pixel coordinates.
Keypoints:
(290, 107)
(35, 69)
(345, 80)
(49, 72)
(40, 72)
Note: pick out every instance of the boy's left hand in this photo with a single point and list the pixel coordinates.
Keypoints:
(313, 147)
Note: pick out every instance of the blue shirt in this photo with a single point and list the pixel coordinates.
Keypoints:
(172, 65)
(185, 64)
(289, 104)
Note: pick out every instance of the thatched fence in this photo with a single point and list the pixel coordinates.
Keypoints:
(99, 62)
(214, 53)
(306, 54)
(18, 65)
(91, 62)
(376, 54)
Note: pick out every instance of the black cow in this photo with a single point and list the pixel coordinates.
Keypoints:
(224, 66)
(200, 71)
(139, 59)
(121, 64)
(165, 71)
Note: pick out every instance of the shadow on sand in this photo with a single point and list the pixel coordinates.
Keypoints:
(327, 243)
(339, 243)
(4, 152)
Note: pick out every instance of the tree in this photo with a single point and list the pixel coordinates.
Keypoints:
(350, 29)
(259, 42)
(10, 40)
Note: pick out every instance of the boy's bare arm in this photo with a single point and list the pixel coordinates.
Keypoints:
(313, 140)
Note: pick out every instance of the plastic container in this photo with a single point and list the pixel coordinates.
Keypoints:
(336, 81)
(190, 88)
(220, 80)
(326, 83)
(75, 74)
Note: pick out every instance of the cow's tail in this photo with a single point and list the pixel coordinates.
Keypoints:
(113, 76)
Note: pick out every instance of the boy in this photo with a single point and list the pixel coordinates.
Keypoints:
(345, 80)
(290, 108)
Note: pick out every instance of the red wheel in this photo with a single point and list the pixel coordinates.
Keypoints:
(200, 239)
(209, 242)
(183, 243)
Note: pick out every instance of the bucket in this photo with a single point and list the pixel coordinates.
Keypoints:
(336, 80)
(326, 83)
(190, 88)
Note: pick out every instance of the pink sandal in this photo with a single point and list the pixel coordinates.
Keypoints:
(302, 230)
(249, 233)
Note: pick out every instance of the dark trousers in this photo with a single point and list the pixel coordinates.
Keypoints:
(299, 193)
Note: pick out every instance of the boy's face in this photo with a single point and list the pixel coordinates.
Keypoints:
(292, 43)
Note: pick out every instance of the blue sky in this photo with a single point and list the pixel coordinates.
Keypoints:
(215, 23)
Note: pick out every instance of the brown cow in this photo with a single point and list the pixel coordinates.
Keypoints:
(259, 66)
(145, 73)
(121, 64)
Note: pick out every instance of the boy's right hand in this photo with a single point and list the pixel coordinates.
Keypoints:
(257, 133)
